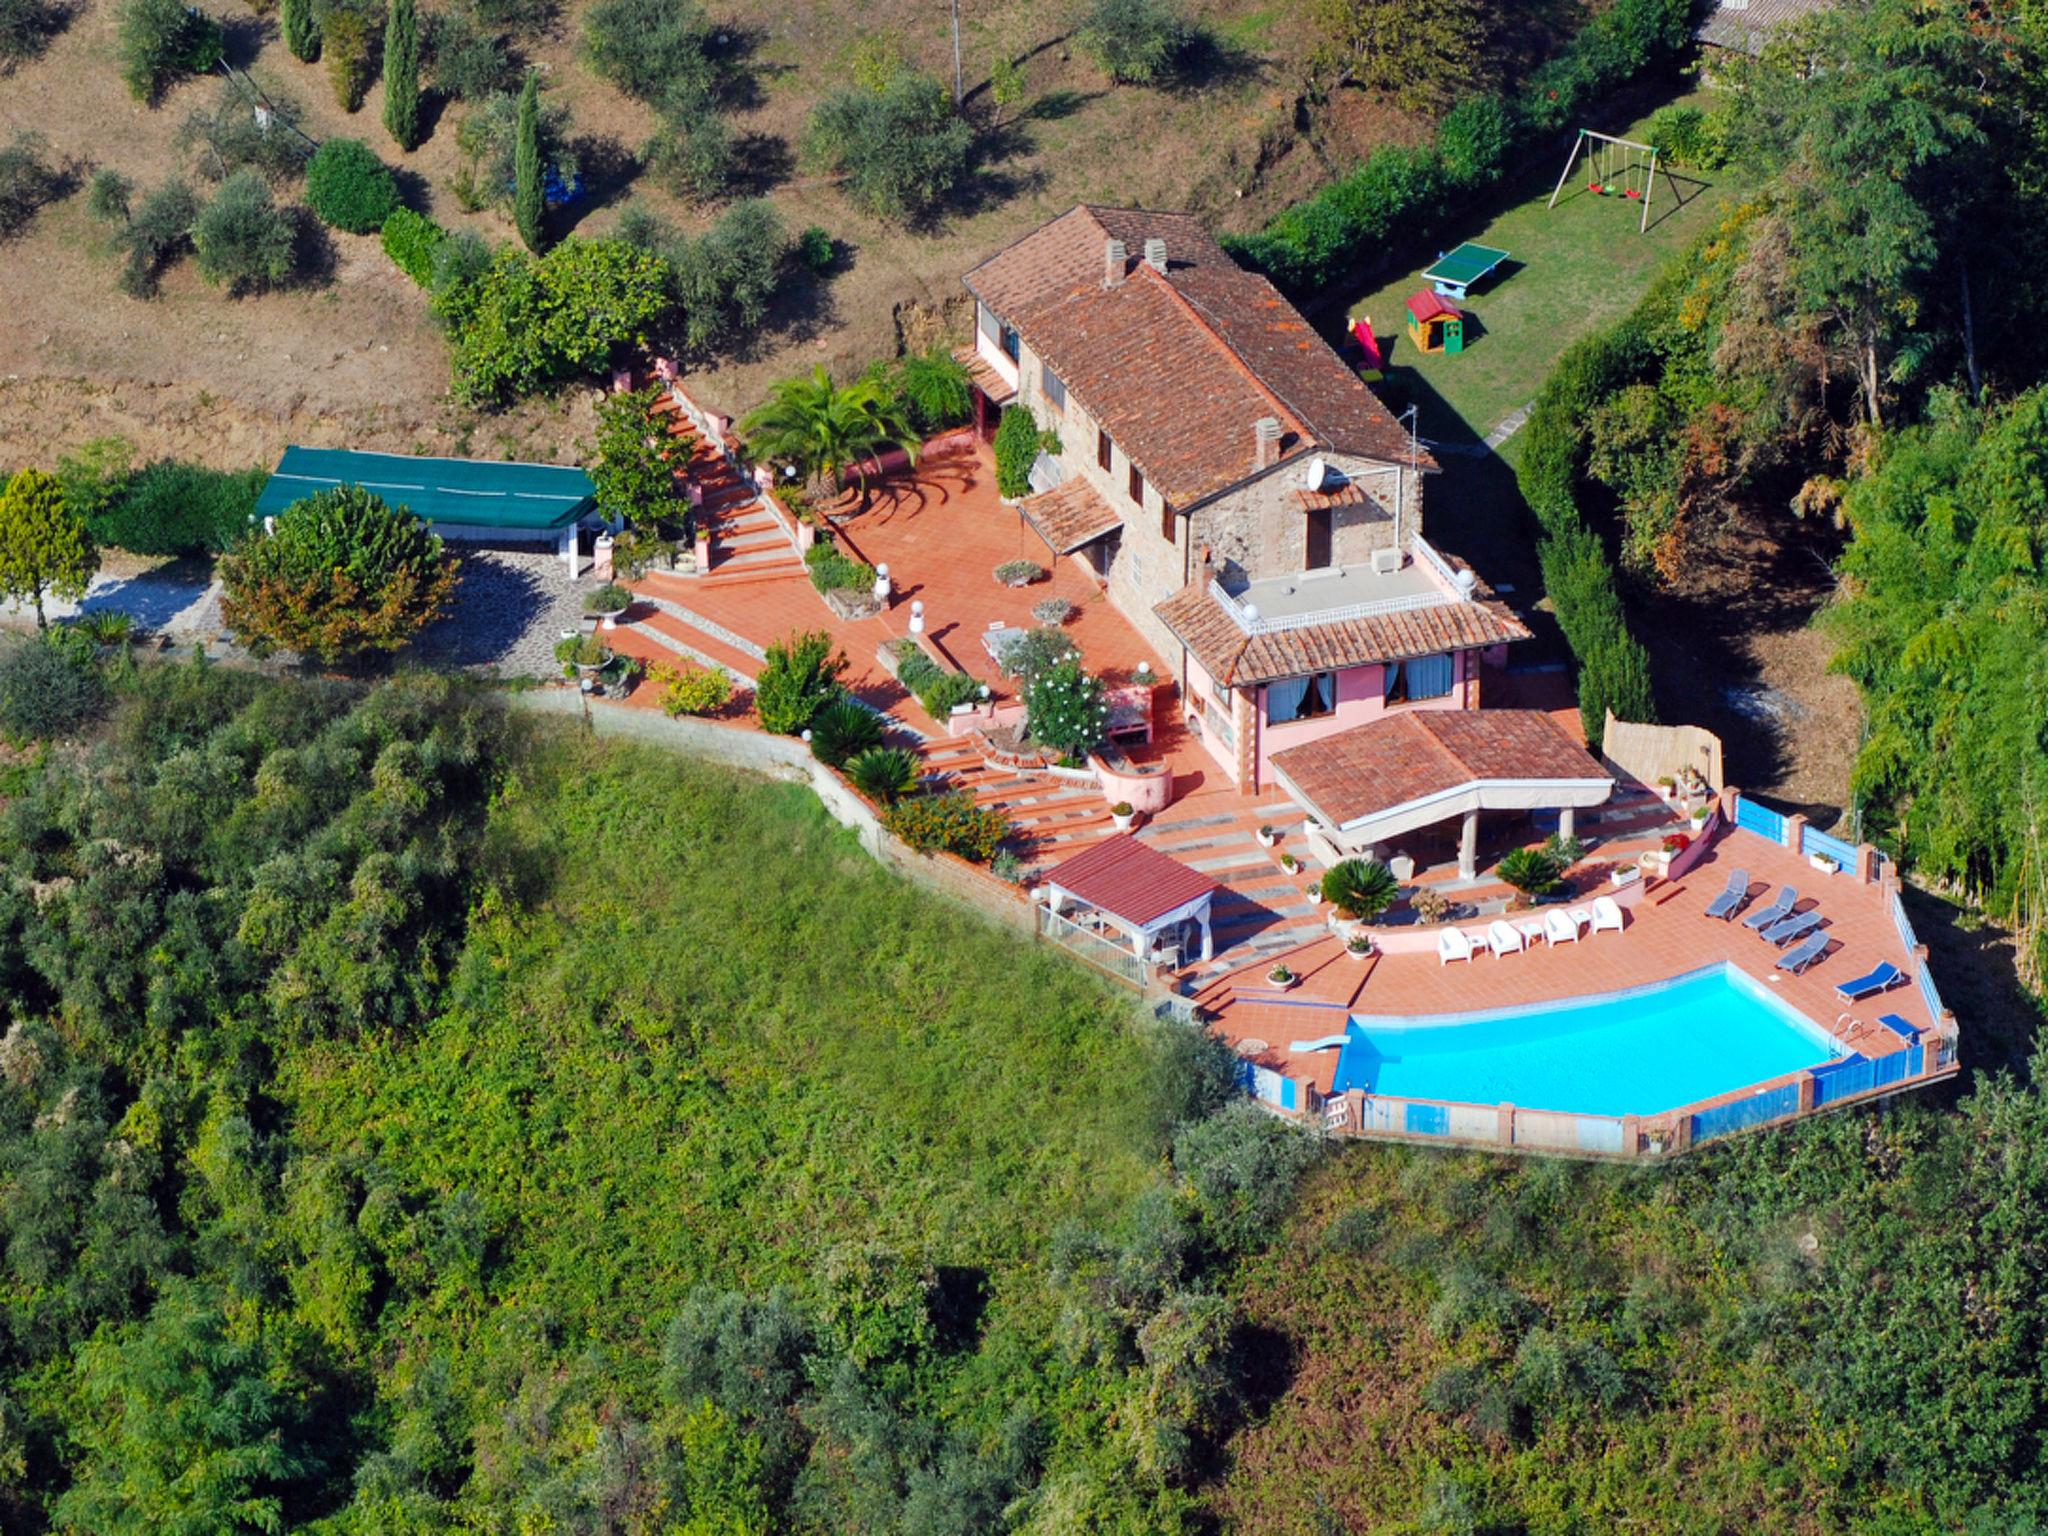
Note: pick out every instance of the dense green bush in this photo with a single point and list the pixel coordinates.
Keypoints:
(529, 322)
(1689, 137)
(489, 141)
(410, 240)
(939, 695)
(402, 74)
(799, 677)
(1396, 195)
(1135, 42)
(242, 239)
(693, 156)
(49, 687)
(27, 182)
(299, 23)
(160, 42)
(349, 187)
(349, 30)
(170, 507)
(108, 194)
(899, 152)
(936, 386)
(948, 823)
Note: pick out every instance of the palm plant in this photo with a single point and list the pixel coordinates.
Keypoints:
(824, 429)
(1361, 889)
(1532, 871)
(883, 773)
(842, 729)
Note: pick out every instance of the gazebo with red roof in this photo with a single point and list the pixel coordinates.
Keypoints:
(1135, 889)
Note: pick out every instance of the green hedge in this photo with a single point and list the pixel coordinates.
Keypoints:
(1398, 192)
(174, 508)
(1614, 670)
(410, 240)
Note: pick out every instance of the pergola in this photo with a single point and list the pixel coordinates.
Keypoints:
(1376, 781)
(1136, 890)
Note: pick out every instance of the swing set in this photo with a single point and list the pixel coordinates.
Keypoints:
(1619, 167)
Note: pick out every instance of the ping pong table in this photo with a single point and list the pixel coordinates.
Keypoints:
(1455, 271)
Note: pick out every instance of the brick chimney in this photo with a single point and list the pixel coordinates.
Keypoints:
(1155, 254)
(1265, 442)
(1113, 256)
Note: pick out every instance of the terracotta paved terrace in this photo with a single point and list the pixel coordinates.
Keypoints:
(1667, 934)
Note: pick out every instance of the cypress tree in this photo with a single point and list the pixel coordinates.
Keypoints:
(402, 74)
(526, 187)
(301, 29)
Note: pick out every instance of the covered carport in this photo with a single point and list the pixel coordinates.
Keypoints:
(1368, 785)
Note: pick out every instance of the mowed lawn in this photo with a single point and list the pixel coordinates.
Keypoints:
(1571, 270)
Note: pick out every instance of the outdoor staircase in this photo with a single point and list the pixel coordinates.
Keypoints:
(747, 543)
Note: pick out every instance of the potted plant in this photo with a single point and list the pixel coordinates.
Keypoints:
(583, 656)
(1431, 906)
(1290, 863)
(1268, 836)
(608, 602)
(1358, 946)
(1281, 977)
(1122, 814)
(1019, 573)
(1667, 786)
(1825, 864)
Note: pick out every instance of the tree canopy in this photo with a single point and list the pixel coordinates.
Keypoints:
(45, 547)
(341, 574)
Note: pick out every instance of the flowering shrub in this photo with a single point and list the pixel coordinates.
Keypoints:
(1066, 710)
(951, 822)
(692, 690)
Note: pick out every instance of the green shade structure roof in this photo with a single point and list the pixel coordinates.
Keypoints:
(1464, 266)
(478, 492)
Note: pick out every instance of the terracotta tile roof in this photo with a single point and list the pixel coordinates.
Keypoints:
(1403, 757)
(1349, 494)
(1069, 515)
(1176, 367)
(1427, 305)
(1235, 659)
(982, 374)
(1123, 876)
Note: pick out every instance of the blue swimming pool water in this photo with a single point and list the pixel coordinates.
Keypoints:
(1628, 1053)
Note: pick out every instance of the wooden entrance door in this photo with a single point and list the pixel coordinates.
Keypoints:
(1320, 523)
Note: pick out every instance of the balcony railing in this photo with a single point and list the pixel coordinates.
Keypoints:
(1269, 624)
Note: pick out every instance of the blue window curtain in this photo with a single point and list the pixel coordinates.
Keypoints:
(1322, 693)
(1429, 677)
(1284, 699)
(1392, 682)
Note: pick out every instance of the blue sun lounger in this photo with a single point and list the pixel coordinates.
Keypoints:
(1906, 1031)
(1794, 927)
(1780, 908)
(1797, 960)
(1883, 978)
(1729, 902)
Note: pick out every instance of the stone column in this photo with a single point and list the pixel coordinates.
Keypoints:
(1567, 822)
(1795, 831)
(1468, 847)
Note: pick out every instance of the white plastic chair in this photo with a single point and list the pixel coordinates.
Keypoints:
(1559, 927)
(1606, 914)
(1451, 944)
(1503, 939)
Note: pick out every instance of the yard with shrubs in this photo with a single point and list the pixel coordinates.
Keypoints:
(720, 143)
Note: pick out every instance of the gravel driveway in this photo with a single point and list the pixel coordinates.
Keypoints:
(510, 609)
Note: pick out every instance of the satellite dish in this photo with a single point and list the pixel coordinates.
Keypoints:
(1467, 581)
(1316, 474)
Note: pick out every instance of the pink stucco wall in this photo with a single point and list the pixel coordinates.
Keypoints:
(1361, 696)
(1203, 692)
